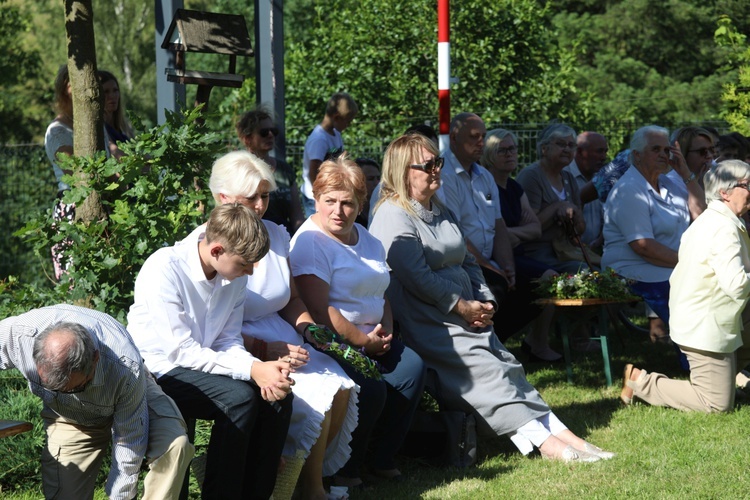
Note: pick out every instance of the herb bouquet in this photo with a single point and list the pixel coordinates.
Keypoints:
(332, 343)
(587, 284)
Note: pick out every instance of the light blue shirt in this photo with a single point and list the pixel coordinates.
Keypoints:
(635, 210)
(115, 397)
(474, 200)
(593, 212)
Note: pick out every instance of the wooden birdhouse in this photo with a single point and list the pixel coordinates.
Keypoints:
(210, 33)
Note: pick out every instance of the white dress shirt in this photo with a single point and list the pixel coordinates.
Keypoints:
(181, 318)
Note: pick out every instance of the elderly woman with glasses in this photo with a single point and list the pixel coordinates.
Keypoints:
(444, 309)
(697, 147)
(710, 289)
(257, 133)
(644, 218)
(554, 196)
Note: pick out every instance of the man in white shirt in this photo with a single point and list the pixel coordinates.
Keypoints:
(186, 320)
(591, 156)
(470, 192)
(325, 139)
(95, 391)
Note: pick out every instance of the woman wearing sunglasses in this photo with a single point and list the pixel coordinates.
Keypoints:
(710, 288)
(258, 134)
(444, 309)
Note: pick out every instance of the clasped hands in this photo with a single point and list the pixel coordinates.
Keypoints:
(475, 313)
(274, 377)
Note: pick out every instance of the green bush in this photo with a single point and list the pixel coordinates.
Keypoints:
(153, 197)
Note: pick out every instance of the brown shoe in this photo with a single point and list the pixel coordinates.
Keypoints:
(626, 395)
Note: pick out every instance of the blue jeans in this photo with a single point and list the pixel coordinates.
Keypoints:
(386, 408)
(247, 436)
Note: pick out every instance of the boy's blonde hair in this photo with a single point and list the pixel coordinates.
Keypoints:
(239, 231)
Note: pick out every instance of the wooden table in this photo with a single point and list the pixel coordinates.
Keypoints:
(13, 427)
(567, 323)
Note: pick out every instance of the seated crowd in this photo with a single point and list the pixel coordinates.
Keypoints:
(226, 324)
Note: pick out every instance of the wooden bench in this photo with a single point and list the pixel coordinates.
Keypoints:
(13, 427)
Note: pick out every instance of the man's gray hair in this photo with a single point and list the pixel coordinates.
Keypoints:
(57, 366)
(724, 177)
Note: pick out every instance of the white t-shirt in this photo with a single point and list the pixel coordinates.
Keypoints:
(357, 274)
(318, 144)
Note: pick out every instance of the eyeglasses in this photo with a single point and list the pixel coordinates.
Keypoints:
(703, 151)
(506, 151)
(269, 130)
(744, 186)
(563, 144)
(430, 166)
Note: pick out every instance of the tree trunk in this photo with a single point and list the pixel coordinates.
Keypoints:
(87, 103)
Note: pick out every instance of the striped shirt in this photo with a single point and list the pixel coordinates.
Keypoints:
(116, 396)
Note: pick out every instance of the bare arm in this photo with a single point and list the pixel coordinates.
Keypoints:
(315, 292)
(654, 252)
(314, 167)
(588, 193)
(294, 312)
(696, 195)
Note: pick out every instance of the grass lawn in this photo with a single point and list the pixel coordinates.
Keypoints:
(661, 453)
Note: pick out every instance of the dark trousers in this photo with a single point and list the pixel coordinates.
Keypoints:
(386, 408)
(516, 307)
(247, 436)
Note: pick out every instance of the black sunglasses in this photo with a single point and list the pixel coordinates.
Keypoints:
(431, 166)
(265, 131)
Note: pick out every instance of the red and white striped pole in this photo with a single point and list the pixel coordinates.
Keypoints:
(444, 73)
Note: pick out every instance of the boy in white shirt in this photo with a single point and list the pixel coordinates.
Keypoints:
(186, 322)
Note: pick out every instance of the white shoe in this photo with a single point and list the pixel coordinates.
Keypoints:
(595, 450)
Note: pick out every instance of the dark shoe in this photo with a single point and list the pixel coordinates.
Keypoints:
(553, 357)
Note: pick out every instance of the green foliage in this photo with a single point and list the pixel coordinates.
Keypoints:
(18, 63)
(644, 63)
(586, 284)
(736, 96)
(154, 202)
(502, 54)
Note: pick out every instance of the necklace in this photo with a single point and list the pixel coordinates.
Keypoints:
(422, 212)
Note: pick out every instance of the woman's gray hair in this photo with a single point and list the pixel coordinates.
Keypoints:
(639, 140)
(552, 132)
(492, 143)
(57, 366)
(724, 177)
(239, 173)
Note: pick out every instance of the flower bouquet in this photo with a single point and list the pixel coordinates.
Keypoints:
(331, 343)
(587, 284)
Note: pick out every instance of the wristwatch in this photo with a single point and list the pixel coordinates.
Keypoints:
(691, 178)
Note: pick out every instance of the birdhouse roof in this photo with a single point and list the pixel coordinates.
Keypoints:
(208, 32)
